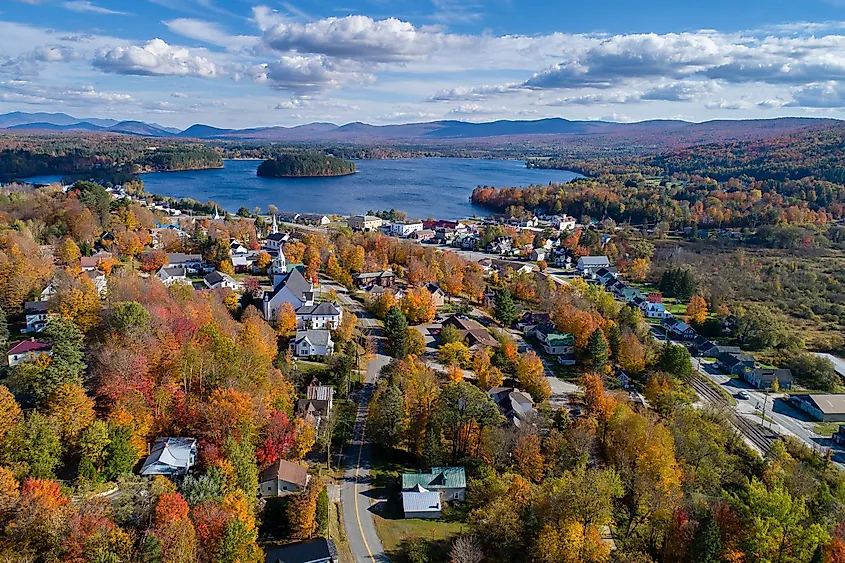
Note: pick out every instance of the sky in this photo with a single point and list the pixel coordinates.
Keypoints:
(245, 63)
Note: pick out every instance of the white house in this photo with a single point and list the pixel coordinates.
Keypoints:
(563, 222)
(28, 350)
(170, 457)
(654, 310)
(319, 315)
(36, 315)
(405, 229)
(275, 241)
(170, 275)
(100, 281)
(312, 343)
(282, 478)
(191, 262)
(291, 288)
(591, 264)
(419, 502)
(217, 280)
(538, 254)
(48, 292)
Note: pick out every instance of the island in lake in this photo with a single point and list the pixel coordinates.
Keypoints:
(305, 165)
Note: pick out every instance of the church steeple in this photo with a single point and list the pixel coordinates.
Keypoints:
(275, 228)
(216, 213)
(278, 269)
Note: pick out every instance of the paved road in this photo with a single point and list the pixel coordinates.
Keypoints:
(355, 498)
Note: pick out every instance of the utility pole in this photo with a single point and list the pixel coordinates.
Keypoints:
(763, 413)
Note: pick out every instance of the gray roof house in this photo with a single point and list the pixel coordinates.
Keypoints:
(282, 478)
(513, 403)
(762, 378)
(172, 274)
(312, 343)
(170, 457)
(419, 502)
(319, 315)
(735, 364)
(592, 264)
(217, 280)
(318, 550)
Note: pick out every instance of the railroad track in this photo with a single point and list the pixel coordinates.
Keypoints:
(760, 437)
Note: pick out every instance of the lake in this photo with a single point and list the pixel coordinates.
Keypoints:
(422, 187)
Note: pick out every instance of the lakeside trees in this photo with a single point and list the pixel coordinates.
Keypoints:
(304, 165)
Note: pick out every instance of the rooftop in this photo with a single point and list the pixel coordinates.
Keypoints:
(31, 345)
(319, 549)
(316, 337)
(285, 471)
(439, 478)
(169, 456)
(420, 500)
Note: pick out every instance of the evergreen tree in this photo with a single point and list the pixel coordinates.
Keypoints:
(597, 349)
(396, 333)
(121, 455)
(387, 418)
(505, 308)
(323, 512)
(706, 546)
(66, 365)
(4, 328)
(675, 360)
(614, 337)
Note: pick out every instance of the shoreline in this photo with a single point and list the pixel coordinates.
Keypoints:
(289, 176)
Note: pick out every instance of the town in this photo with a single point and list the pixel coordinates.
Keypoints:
(297, 387)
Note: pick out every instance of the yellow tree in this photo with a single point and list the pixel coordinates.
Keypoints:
(418, 306)
(10, 411)
(79, 302)
(631, 355)
(71, 409)
(454, 354)
(531, 375)
(454, 373)
(638, 270)
(528, 457)
(304, 441)
(697, 310)
(600, 405)
(68, 253)
(263, 260)
(286, 320)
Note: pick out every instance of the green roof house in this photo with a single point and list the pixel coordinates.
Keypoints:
(450, 482)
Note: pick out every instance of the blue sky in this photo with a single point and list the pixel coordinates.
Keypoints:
(240, 63)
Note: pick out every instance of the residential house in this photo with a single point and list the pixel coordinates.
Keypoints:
(438, 296)
(474, 334)
(678, 329)
(537, 254)
(90, 262)
(450, 482)
(704, 347)
(282, 478)
(170, 275)
(99, 280)
(377, 291)
(318, 550)
(191, 262)
(384, 278)
(171, 457)
(735, 364)
(319, 315)
(317, 402)
(502, 245)
(514, 404)
(365, 223)
(308, 343)
(237, 249)
(28, 350)
(589, 265)
(275, 241)
(419, 502)
(403, 229)
(654, 310)
(763, 378)
(422, 235)
(605, 275)
(219, 280)
(553, 342)
(824, 407)
(563, 222)
(291, 287)
(563, 260)
(48, 292)
(37, 315)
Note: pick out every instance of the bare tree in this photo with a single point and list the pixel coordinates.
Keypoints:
(466, 549)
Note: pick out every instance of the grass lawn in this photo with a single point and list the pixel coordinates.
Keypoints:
(677, 309)
(338, 535)
(826, 428)
(393, 533)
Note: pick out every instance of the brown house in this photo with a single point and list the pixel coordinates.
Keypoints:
(281, 478)
(385, 278)
(472, 331)
(438, 296)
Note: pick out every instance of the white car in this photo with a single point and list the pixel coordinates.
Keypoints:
(743, 395)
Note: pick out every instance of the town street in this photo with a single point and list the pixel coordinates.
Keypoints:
(355, 490)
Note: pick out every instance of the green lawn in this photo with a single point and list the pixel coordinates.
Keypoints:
(393, 533)
(826, 428)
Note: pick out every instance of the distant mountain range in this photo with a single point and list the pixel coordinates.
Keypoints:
(645, 134)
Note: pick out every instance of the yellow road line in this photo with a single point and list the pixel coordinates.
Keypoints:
(355, 489)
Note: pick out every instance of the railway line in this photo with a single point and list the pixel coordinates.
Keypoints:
(761, 438)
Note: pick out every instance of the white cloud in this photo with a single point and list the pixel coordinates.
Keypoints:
(308, 74)
(616, 118)
(88, 7)
(210, 33)
(472, 93)
(405, 116)
(732, 105)
(359, 38)
(475, 109)
(311, 103)
(155, 58)
(822, 95)
(680, 91)
(27, 92)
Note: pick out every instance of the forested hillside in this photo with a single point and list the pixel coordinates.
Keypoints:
(305, 164)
